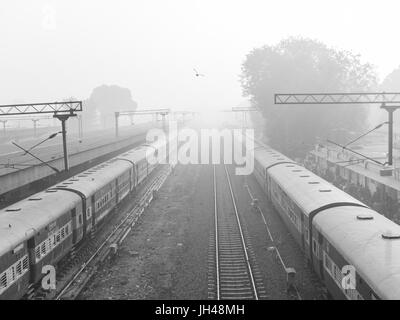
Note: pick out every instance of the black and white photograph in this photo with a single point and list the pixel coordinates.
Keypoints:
(189, 156)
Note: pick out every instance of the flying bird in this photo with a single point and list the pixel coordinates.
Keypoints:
(197, 74)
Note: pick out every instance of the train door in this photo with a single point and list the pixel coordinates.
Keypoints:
(116, 191)
(94, 213)
(89, 217)
(265, 181)
(137, 174)
(133, 177)
(32, 256)
(130, 180)
(85, 218)
(302, 230)
(320, 255)
(75, 226)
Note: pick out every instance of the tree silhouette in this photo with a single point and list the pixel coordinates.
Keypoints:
(391, 83)
(108, 99)
(300, 65)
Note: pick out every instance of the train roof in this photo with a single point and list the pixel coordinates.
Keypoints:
(31, 214)
(21, 220)
(142, 152)
(95, 178)
(372, 246)
(268, 157)
(137, 154)
(309, 191)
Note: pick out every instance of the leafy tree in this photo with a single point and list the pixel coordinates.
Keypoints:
(108, 99)
(391, 83)
(299, 65)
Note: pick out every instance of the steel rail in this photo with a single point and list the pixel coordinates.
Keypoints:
(242, 240)
(153, 186)
(216, 232)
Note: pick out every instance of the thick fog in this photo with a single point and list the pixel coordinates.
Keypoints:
(51, 50)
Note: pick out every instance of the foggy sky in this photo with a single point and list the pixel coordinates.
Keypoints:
(54, 49)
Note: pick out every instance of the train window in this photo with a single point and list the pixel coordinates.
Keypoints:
(3, 280)
(13, 273)
(25, 263)
(37, 252)
(88, 212)
(328, 263)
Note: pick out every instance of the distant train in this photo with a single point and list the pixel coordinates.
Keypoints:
(45, 227)
(354, 250)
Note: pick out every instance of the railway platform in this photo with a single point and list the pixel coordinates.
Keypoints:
(28, 175)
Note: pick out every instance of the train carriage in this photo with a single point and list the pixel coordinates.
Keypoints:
(364, 242)
(98, 190)
(43, 229)
(354, 249)
(36, 231)
(14, 266)
(299, 195)
(265, 158)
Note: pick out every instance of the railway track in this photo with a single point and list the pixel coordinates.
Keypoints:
(74, 287)
(76, 271)
(233, 272)
(294, 293)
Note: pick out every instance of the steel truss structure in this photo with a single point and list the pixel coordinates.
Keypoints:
(385, 99)
(155, 112)
(40, 108)
(60, 110)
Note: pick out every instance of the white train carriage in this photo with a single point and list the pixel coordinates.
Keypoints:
(299, 195)
(98, 189)
(342, 231)
(35, 232)
(138, 160)
(144, 157)
(265, 158)
(362, 240)
(42, 229)
(101, 188)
